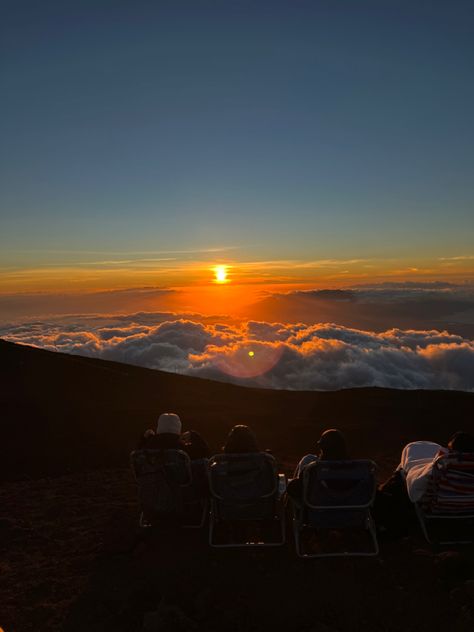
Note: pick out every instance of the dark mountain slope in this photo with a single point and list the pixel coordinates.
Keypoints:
(64, 413)
(70, 556)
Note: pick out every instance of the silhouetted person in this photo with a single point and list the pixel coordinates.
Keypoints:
(331, 446)
(168, 437)
(394, 509)
(241, 440)
(417, 460)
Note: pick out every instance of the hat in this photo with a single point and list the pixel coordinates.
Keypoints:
(169, 423)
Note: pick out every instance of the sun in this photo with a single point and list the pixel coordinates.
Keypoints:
(220, 273)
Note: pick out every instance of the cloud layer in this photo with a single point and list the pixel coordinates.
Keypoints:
(433, 305)
(273, 355)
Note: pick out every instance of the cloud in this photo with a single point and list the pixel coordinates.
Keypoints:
(256, 353)
(428, 305)
(46, 303)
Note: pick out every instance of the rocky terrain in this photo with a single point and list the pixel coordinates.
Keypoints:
(71, 556)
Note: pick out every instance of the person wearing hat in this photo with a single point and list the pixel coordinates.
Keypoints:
(168, 436)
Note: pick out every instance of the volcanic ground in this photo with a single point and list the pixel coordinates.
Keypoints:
(72, 558)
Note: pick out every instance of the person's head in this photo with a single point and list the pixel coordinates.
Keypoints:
(240, 440)
(168, 423)
(332, 445)
(461, 442)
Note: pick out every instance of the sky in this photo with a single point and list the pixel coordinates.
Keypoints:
(304, 144)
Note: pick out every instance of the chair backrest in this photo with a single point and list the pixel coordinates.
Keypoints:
(451, 489)
(161, 476)
(339, 484)
(243, 477)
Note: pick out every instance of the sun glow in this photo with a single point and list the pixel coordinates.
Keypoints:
(220, 273)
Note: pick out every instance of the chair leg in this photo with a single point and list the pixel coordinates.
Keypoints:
(142, 522)
(211, 525)
(297, 537)
(373, 532)
(296, 523)
(423, 525)
(370, 528)
(204, 512)
(282, 519)
(423, 520)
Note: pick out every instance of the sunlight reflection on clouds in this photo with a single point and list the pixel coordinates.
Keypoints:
(321, 356)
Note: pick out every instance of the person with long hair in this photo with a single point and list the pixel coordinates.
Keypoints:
(241, 440)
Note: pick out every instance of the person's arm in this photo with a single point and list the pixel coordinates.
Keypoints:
(145, 439)
(306, 460)
(196, 445)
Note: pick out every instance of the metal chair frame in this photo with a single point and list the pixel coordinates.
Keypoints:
(425, 517)
(300, 513)
(277, 492)
(143, 523)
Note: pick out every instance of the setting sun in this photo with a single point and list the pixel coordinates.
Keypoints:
(220, 274)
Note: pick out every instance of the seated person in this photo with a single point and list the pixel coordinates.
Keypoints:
(393, 511)
(331, 446)
(246, 476)
(168, 437)
(241, 440)
(418, 457)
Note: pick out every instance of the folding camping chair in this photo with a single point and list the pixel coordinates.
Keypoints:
(336, 497)
(166, 489)
(449, 501)
(246, 501)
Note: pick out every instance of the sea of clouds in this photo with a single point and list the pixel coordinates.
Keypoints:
(321, 356)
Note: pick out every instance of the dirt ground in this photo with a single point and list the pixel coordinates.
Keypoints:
(72, 559)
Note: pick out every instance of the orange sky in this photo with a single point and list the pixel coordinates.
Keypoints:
(194, 282)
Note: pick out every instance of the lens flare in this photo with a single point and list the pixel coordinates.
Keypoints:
(240, 361)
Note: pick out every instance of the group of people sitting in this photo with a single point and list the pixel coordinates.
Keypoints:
(394, 497)
(169, 436)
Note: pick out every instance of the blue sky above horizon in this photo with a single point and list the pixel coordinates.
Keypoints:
(236, 131)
